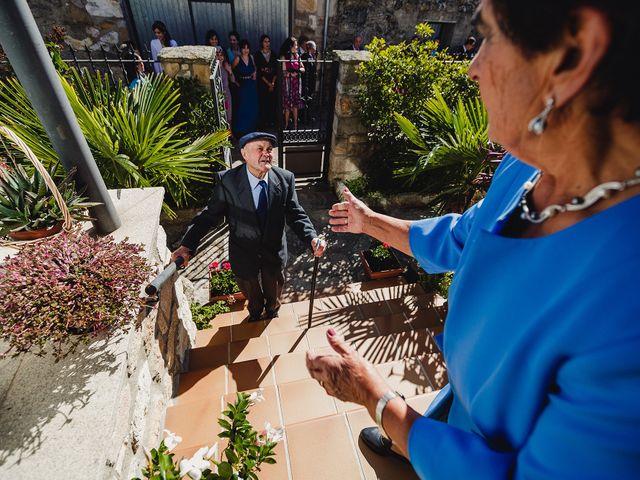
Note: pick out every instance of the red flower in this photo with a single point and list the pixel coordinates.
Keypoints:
(386, 245)
(226, 265)
(214, 266)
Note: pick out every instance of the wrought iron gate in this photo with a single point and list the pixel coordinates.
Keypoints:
(305, 150)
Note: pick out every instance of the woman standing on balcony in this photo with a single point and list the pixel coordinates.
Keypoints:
(542, 335)
(246, 114)
(266, 63)
(292, 68)
(163, 39)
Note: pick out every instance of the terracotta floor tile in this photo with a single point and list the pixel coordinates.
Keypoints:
(247, 330)
(284, 322)
(393, 347)
(374, 309)
(260, 412)
(392, 323)
(216, 335)
(346, 406)
(344, 315)
(376, 466)
(326, 350)
(321, 450)
(196, 422)
(290, 367)
(424, 318)
(288, 342)
(303, 400)
(227, 319)
(208, 357)
(248, 349)
(406, 376)
(250, 375)
(353, 332)
(317, 337)
(201, 384)
(396, 305)
(434, 365)
(420, 403)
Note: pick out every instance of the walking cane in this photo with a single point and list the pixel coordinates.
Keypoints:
(313, 288)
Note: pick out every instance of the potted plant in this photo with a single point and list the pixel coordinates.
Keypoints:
(222, 283)
(28, 208)
(380, 261)
(242, 459)
(67, 285)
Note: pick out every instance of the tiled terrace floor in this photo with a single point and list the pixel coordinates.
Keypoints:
(390, 323)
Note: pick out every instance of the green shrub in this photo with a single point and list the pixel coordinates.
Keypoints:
(452, 147)
(358, 186)
(399, 78)
(203, 314)
(129, 132)
(439, 283)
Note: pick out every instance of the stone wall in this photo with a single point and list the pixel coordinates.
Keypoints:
(188, 62)
(87, 22)
(394, 20)
(89, 415)
(349, 142)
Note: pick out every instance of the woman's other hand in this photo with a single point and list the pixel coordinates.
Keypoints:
(346, 376)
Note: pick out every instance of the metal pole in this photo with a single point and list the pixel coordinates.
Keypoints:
(316, 260)
(30, 60)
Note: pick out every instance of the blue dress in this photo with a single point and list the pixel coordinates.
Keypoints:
(246, 115)
(542, 343)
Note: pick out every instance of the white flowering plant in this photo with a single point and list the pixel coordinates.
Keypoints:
(245, 452)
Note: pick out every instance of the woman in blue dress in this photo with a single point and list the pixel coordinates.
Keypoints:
(246, 114)
(542, 334)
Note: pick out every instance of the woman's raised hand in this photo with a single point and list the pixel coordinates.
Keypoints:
(350, 215)
(347, 375)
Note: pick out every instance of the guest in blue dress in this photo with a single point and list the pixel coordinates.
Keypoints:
(245, 115)
(543, 332)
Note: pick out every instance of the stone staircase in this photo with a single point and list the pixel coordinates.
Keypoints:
(391, 323)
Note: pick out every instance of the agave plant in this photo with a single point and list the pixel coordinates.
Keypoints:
(129, 132)
(26, 203)
(453, 146)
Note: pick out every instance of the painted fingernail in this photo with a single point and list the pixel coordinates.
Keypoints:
(331, 332)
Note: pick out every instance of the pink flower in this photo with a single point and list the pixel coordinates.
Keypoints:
(386, 245)
(226, 265)
(214, 266)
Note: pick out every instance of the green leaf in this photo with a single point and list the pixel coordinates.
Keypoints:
(225, 470)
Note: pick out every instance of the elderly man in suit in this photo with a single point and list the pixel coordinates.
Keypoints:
(256, 198)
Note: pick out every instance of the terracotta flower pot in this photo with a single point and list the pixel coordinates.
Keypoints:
(237, 297)
(36, 234)
(376, 269)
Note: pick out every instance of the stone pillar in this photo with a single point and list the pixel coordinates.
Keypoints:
(349, 142)
(191, 61)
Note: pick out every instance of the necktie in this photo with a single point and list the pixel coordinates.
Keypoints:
(262, 208)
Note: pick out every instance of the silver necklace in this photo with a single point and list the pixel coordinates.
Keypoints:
(597, 193)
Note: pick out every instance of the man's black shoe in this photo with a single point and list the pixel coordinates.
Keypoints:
(270, 314)
(373, 438)
(254, 317)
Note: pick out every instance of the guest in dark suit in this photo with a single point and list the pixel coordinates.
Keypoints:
(256, 199)
(466, 51)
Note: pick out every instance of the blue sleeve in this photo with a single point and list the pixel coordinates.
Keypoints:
(587, 430)
(437, 243)
(438, 450)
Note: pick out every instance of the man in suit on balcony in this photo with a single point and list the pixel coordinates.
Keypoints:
(256, 198)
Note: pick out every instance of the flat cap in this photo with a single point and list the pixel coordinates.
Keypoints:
(253, 136)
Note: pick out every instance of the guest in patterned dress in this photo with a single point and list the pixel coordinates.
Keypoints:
(292, 68)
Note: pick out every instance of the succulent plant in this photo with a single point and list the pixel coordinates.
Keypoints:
(26, 203)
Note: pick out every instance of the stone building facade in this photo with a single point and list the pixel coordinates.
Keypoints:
(102, 22)
(394, 20)
(90, 23)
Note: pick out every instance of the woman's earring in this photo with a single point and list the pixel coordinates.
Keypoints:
(538, 124)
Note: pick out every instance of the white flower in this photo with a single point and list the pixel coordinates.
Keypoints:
(273, 434)
(172, 440)
(195, 465)
(257, 396)
(212, 453)
(147, 453)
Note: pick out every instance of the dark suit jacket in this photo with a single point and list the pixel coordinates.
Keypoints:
(249, 247)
